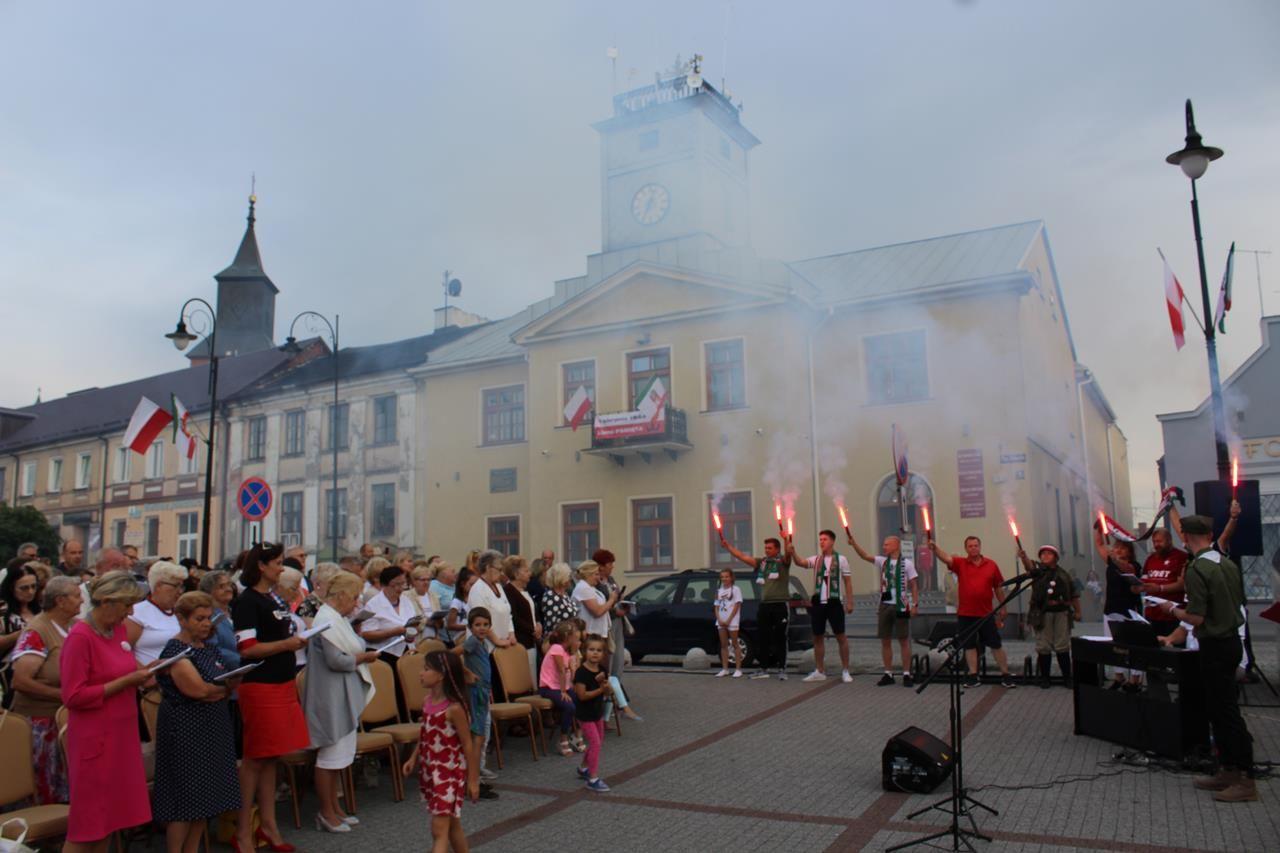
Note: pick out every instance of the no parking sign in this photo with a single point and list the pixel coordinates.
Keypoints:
(254, 499)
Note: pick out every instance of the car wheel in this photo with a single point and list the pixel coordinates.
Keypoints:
(749, 654)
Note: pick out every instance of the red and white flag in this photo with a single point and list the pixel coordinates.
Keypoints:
(182, 437)
(1173, 298)
(578, 407)
(148, 421)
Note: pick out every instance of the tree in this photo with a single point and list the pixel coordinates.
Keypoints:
(26, 524)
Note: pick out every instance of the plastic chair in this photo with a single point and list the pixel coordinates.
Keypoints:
(19, 782)
(409, 667)
(383, 706)
(518, 686)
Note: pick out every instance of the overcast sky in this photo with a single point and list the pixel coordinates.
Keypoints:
(392, 140)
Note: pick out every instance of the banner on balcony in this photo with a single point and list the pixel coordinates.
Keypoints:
(649, 417)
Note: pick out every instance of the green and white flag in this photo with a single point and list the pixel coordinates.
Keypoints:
(652, 400)
(1224, 293)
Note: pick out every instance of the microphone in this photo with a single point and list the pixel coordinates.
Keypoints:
(1020, 578)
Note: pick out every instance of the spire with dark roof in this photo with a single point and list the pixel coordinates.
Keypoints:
(248, 261)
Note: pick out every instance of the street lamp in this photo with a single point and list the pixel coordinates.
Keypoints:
(182, 338)
(1194, 158)
(291, 345)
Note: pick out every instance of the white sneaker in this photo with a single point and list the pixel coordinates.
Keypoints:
(846, 677)
(487, 775)
(722, 673)
(737, 673)
(782, 676)
(816, 676)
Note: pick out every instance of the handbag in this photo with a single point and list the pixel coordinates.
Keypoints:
(15, 845)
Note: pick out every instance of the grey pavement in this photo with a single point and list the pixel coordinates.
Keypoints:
(740, 765)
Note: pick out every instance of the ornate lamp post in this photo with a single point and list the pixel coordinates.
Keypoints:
(182, 338)
(291, 345)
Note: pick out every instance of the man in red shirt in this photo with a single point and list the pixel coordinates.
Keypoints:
(1162, 576)
(979, 579)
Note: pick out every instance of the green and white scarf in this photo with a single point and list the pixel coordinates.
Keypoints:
(825, 575)
(893, 578)
(768, 568)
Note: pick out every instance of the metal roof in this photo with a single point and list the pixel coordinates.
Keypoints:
(920, 265)
(493, 341)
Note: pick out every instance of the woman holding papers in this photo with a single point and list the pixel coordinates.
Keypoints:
(195, 747)
(269, 709)
(337, 688)
(100, 680)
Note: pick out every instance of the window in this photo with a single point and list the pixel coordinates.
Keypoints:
(504, 534)
(656, 593)
(119, 526)
(123, 460)
(55, 475)
(735, 515)
(896, 368)
(384, 419)
(84, 470)
(290, 514)
(700, 591)
(295, 432)
(643, 368)
(152, 545)
(383, 522)
(188, 534)
(648, 140)
(726, 375)
(504, 415)
(652, 533)
(581, 526)
(189, 464)
(155, 463)
(256, 442)
(338, 426)
(335, 515)
(579, 374)
(28, 479)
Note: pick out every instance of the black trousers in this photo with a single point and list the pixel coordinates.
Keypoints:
(1219, 658)
(772, 620)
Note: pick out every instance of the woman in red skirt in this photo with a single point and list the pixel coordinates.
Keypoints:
(269, 709)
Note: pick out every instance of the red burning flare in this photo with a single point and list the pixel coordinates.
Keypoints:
(1235, 472)
(1102, 523)
(777, 511)
(715, 516)
(1013, 525)
(924, 511)
(791, 528)
(844, 519)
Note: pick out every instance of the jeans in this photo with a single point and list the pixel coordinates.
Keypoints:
(1219, 657)
(593, 732)
(563, 705)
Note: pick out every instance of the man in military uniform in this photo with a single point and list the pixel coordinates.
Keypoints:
(1215, 595)
(1055, 600)
(773, 573)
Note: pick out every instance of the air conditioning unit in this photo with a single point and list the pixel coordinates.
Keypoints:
(291, 540)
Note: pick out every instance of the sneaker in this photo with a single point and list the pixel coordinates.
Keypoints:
(487, 793)
(737, 673)
(598, 786)
(1006, 680)
(756, 676)
(885, 680)
(487, 775)
(846, 677)
(722, 673)
(584, 774)
(906, 680)
(815, 676)
(782, 676)
(971, 681)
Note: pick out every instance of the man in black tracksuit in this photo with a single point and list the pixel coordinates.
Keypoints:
(773, 573)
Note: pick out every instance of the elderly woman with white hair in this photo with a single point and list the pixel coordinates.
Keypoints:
(320, 577)
(37, 684)
(153, 623)
(557, 604)
(289, 588)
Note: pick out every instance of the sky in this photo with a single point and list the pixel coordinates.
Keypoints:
(392, 141)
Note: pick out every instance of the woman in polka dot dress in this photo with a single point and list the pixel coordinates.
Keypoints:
(444, 775)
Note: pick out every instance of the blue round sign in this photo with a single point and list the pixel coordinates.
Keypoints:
(254, 499)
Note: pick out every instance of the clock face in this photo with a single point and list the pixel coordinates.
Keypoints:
(650, 204)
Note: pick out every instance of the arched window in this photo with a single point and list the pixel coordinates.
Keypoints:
(889, 521)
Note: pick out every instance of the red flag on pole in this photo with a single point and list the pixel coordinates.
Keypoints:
(1173, 297)
(148, 421)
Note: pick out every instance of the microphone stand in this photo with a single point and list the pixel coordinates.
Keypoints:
(960, 803)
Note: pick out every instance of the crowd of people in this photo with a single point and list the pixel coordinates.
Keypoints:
(252, 662)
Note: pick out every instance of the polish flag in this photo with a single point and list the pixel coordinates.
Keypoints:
(182, 437)
(148, 421)
(579, 407)
(1173, 298)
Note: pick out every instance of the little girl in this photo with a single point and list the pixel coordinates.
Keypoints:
(728, 611)
(555, 680)
(590, 684)
(444, 745)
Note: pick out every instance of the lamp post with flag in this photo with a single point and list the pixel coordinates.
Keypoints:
(1194, 158)
(182, 338)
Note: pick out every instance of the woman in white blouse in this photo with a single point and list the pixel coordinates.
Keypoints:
(152, 622)
(391, 610)
(488, 593)
(593, 605)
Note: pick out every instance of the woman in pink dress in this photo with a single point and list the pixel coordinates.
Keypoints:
(100, 678)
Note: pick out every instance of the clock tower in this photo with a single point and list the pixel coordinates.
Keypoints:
(674, 164)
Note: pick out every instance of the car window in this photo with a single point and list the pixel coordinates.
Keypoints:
(750, 589)
(656, 592)
(700, 591)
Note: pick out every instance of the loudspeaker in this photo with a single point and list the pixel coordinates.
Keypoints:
(914, 761)
(1213, 498)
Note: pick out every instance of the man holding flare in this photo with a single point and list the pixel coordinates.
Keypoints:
(899, 600)
(773, 573)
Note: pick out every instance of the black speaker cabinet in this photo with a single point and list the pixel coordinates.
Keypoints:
(1213, 498)
(914, 761)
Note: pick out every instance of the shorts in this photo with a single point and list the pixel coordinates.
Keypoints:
(339, 754)
(273, 721)
(890, 624)
(479, 709)
(732, 626)
(988, 635)
(823, 614)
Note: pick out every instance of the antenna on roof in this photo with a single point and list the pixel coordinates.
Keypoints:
(612, 54)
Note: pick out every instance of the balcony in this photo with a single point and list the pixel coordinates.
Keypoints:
(626, 435)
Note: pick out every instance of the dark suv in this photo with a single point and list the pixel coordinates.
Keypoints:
(676, 613)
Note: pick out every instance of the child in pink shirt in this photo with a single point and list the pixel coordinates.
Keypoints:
(555, 679)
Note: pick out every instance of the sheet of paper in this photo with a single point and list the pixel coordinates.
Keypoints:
(165, 663)
(391, 645)
(238, 671)
(315, 629)
(1135, 616)
(1151, 599)
(1097, 639)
